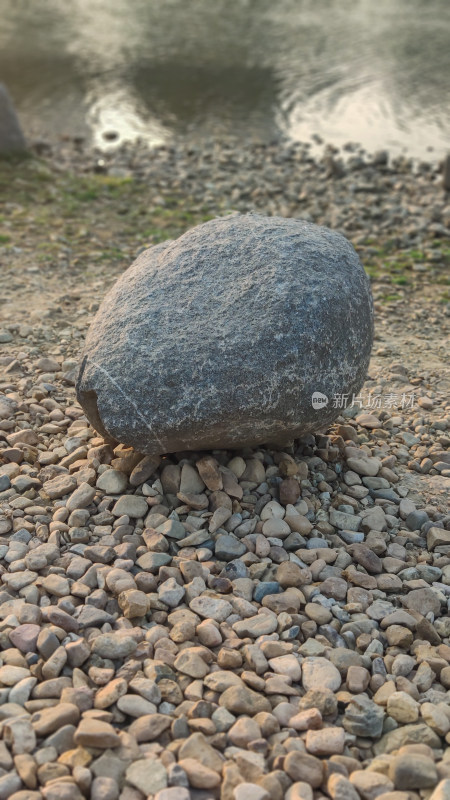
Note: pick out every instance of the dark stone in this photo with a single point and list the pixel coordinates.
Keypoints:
(385, 494)
(294, 541)
(289, 491)
(90, 616)
(264, 588)
(235, 569)
(426, 630)
(228, 547)
(363, 717)
(12, 140)
(351, 537)
(5, 483)
(220, 338)
(366, 557)
(291, 633)
(332, 635)
(414, 771)
(315, 542)
(416, 519)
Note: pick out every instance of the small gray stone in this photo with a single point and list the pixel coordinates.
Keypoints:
(110, 645)
(172, 528)
(170, 592)
(10, 782)
(243, 700)
(349, 522)
(90, 616)
(104, 788)
(148, 775)
(416, 519)
(423, 601)
(112, 481)
(228, 547)
(413, 771)
(256, 626)
(135, 706)
(81, 497)
(407, 734)
(363, 717)
(12, 139)
(151, 562)
(130, 505)
(5, 483)
(211, 608)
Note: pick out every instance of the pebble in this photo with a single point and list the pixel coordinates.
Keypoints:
(318, 673)
(413, 771)
(96, 733)
(108, 645)
(442, 790)
(112, 481)
(250, 791)
(147, 775)
(256, 626)
(365, 718)
(200, 777)
(49, 720)
(424, 601)
(340, 788)
(289, 574)
(174, 793)
(242, 700)
(211, 608)
(81, 497)
(305, 768)
(329, 741)
(10, 674)
(370, 784)
(402, 707)
(228, 548)
(170, 592)
(24, 637)
(131, 506)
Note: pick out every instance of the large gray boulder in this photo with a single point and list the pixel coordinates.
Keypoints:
(220, 338)
(12, 140)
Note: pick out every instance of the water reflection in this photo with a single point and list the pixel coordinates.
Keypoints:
(370, 72)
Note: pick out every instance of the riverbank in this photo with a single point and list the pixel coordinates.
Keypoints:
(296, 642)
(72, 222)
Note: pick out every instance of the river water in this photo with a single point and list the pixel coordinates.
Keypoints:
(375, 72)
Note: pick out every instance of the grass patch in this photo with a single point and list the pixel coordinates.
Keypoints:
(400, 280)
(416, 255)
(390, 298)
(372, 271)
(90, 218)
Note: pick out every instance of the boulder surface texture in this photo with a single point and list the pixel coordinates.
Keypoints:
(220, 338)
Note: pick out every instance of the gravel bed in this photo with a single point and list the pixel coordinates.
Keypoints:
(247, 625)
(362, 195)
